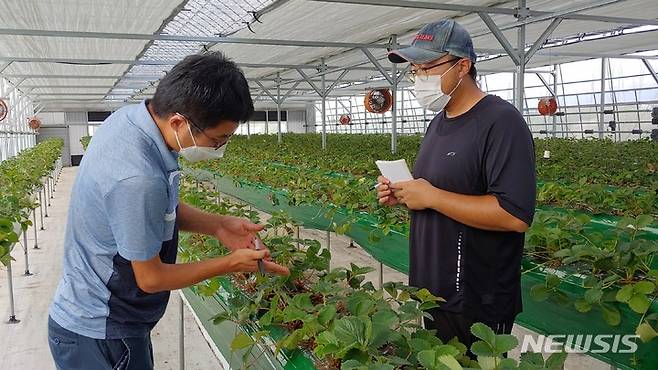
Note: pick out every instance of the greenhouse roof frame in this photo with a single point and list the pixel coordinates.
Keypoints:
(188, 25)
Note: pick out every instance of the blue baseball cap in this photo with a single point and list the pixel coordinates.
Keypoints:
(435, 40)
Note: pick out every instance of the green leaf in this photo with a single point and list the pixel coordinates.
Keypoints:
(646, 332)
(625, 222)
(643, 221)
(644, 287)
(427, 306)
(505, 343)
(391, 290)
(381, 367)
(556, 361)
(241, 341)
(292, 340)
(359, 304)
(531, 360)
(303, 301)
(352, 331)
(385, 317)
(353, 365)
(220, 318)
(427, 359)
(539, 292)
(639, 303)
(292, 313)
(625, 293)
(425, 296)
(484, 332)
(327, 314)
(482, 349)
(441, 357)
(611, 314)
(593, 295)
(583, 306)
(507, 364)
(419, 344)
(590, 281)
(552, 281)
(404, 296)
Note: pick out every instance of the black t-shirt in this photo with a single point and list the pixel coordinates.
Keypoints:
(487, 150)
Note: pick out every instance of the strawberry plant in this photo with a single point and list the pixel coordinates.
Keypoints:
(337, 317)
(20, 177)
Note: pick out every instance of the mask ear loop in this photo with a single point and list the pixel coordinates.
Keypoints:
(458, 83)
(178, 141)
(191, 135)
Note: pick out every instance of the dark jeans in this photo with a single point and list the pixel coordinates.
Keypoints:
(72, 351)
(449, 325)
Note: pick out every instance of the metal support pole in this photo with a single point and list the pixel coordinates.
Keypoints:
(402, 111)
(602, 108)
(555, 93)
(50, 194)
(45, 196)
(424, 121)
(34, 227)
(267, 123)
(278, 108)
(520, 75)
(27, 260)
(10, 284)
(394, 93)
(41, 208)
(181, 328)
(329, 246)
(324, 108)
(381, 275)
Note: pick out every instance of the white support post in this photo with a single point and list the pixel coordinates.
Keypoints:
(394, 93)
(278, 107)
(34, 227)
(602, 107)
(10, 285)
(27, 259)
(520, 75)
(324, 108)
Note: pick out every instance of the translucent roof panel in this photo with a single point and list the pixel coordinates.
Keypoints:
(197, 18)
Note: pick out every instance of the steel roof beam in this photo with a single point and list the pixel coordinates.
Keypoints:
(187, 38)
(495, 10)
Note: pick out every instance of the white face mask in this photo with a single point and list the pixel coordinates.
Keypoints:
(429, 93)
(199, 153)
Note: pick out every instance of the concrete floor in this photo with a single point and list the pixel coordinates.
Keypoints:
(25, 345)
(28, 346)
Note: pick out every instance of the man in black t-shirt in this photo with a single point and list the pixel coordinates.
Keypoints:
(473, 193)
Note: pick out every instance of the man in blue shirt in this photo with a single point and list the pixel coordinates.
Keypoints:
(124, 217)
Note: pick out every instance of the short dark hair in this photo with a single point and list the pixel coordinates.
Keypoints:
(473, 72)
(206, 89)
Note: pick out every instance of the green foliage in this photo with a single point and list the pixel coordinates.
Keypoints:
(20, 178)
(85, 141)
(343, 321)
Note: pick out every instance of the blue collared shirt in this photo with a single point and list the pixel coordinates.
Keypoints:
(122, 209)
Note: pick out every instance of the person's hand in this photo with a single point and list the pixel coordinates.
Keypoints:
(415, 194)
(384, 193)
(237, 233)
(246, 260)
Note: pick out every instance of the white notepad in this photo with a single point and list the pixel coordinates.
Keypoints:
(395, 171)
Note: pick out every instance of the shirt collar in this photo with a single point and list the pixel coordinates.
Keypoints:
(144, 121)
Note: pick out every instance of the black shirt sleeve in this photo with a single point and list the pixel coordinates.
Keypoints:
(509, 164)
